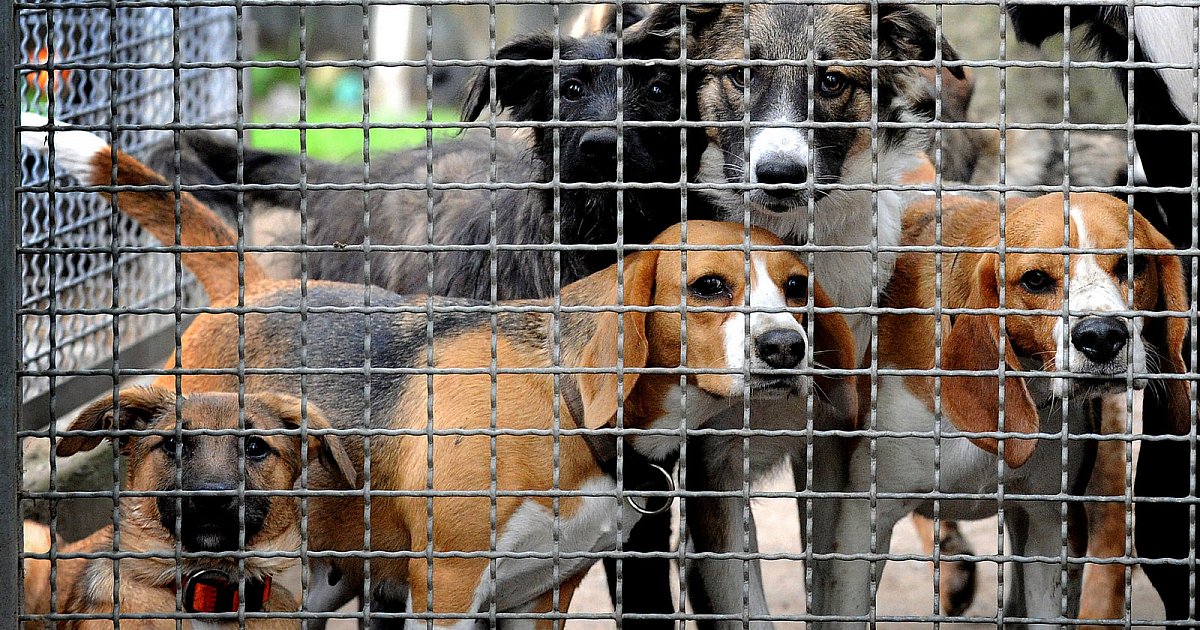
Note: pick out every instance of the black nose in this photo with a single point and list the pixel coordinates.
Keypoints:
(599, 143)
(783, 169)
(211, 522)
(1100, 338)
(782, 349)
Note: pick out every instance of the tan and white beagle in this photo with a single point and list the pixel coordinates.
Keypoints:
(1106, 336)
(496, 489)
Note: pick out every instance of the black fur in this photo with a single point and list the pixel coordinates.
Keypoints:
(464, 217)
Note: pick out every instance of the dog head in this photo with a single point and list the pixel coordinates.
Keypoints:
(744, 326)
(210, 462)
(579, 91)
(809, 111)
(1091, 341)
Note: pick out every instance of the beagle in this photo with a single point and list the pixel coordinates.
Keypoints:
(495, 430)
(1107, 336)
(207, 483)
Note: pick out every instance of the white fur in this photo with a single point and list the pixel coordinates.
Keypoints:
(1167, 36)
(73, 150)
(1095, 291)
(907, 464)
(768, 142)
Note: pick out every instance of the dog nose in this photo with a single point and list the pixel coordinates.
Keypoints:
(1100, 338)
(783, 169)
(210, 522)
(781, 348)
(599, 143)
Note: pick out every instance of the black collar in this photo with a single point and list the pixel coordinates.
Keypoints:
(638, 472)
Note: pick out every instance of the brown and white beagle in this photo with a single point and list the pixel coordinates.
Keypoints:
(1108, 335)
(493, 438)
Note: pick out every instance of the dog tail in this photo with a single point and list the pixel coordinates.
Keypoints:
(90, 159)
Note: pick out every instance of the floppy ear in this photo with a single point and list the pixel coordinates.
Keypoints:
(522, 89)
(598, 390)
(972, 403)
(657, 33)
(910, 34)
(138, 407)
(833, 347)
(1166, 334)
(327, 448)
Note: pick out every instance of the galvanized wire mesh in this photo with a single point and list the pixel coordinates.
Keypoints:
(154, 68)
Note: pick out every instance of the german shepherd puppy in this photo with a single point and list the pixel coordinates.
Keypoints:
(200, 509)
(451, 204)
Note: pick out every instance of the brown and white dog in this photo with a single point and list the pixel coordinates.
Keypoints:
(468, 405)
(1108, 335)
(211, 486)
(790, 138)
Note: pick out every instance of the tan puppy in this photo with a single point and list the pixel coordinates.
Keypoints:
(487, 412)
(201, 479)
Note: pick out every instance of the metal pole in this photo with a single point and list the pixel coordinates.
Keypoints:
(10, 404)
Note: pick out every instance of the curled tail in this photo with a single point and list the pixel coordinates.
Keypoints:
(89, 158)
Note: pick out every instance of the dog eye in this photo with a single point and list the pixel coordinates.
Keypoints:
(735, 77)
(710, 287)
(1122, 267)
(832, 84)
(659, 91)
(256, 448)
(796, 288)
(168, 445)
(1037, 281)
(572, 89)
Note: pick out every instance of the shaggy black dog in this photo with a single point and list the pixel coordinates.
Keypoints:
(552, 182)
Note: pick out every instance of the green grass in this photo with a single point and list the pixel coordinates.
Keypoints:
(342, 144)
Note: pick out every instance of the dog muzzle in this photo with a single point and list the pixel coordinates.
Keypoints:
(212, 591)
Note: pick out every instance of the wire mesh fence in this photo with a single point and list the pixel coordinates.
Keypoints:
(594, 314)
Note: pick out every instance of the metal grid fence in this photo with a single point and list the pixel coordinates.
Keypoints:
(371, 362)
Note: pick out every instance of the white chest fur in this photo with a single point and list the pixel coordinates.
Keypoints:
(533, 530)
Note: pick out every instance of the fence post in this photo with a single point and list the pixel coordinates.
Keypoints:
(10, 349)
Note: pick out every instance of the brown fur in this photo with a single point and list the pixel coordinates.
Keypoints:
(401, 402)
(1104, 584)
(147, 585)
(970, 280)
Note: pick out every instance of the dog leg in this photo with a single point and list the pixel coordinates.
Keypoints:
(646, 582)
(716, 525)
(1103, 593)
(844, 586)
(956, 583)
(1036, 589)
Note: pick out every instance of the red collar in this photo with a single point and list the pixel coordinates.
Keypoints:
(211, 591)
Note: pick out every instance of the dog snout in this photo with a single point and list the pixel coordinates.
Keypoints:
(599, 144)
(1100, 338)
(781, 349)
(210, 522)
(781, 169)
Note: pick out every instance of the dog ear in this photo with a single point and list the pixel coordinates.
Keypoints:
(326, 447)
(135, 408)
(1166, 334)
(912, 35)
(833, 347)
(524, 90)
(657, 34)
(972, 403)
(598, 390)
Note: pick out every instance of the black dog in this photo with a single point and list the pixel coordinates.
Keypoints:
(1162, 97)
(523, 197)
